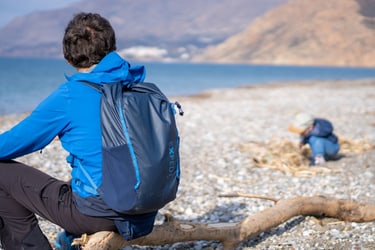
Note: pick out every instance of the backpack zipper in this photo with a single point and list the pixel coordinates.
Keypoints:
(130, 146)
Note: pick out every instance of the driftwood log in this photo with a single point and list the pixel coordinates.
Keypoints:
(232, 234)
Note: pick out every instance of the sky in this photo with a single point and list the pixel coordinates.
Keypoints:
(10, 9)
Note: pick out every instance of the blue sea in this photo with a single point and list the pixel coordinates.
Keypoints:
(26, 82)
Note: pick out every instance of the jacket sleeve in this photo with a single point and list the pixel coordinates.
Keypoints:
(38, 129)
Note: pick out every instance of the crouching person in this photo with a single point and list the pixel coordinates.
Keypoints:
(318, 134)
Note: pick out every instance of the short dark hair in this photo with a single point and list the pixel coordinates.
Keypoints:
(88, 38)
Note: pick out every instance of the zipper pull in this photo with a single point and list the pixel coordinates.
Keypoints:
(180, 111)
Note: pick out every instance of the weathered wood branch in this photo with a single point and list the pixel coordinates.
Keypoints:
(250, 196)
(232, 234)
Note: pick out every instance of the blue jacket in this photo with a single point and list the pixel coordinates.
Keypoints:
(322, 128)
(72, 113)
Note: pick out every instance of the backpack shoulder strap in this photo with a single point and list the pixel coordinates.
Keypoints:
(93, 85)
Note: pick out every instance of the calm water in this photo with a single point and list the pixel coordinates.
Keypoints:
(25, 82)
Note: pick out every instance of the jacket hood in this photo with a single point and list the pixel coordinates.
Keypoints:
(112, 68)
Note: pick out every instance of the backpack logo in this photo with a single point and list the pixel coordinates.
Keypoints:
(172, 162)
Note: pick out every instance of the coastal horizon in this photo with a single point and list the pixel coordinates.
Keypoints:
(26, 82)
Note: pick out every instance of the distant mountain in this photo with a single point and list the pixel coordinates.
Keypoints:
(299, 32)
(174, 29)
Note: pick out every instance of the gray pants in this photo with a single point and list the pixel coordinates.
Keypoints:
(26, 191)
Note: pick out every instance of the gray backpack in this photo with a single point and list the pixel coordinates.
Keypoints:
(140, 147)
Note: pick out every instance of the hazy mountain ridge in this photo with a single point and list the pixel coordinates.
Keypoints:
(319, 32)
(294, 32)
(176, 26)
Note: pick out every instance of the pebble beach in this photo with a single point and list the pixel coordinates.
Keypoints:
(222, 132)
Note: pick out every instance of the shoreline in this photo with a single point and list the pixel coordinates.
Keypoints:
(216, 126)
(265, 85)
